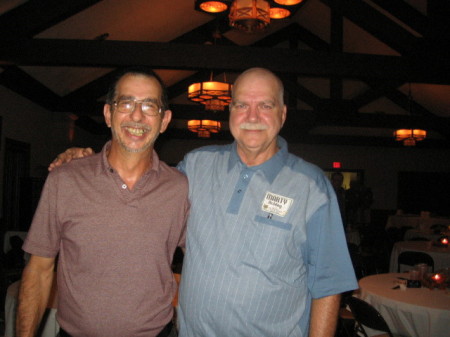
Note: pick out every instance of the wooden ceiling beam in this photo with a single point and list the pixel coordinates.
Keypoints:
(86, 53)
(300, 92)
(405, 13)
(23, 84)
(93, 90)
(378, 25)
(377, 90)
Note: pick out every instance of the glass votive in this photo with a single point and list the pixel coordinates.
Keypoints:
(438, 278)
(422, 269)
(413, 274)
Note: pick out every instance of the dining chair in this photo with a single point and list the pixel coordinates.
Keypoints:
(357, 260)
(346, 320)
(437, 228)
(411, 258)
(366, 315)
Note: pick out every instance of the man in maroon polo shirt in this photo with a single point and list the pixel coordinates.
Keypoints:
(114, 220)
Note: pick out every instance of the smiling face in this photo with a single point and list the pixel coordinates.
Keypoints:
(136, 131)
(257, 113)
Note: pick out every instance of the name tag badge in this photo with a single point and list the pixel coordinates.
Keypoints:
(276, 204)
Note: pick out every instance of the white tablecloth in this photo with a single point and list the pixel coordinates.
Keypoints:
(414, 312)
(51, 327)
(440, 255)
(426, 233)
(415, 221)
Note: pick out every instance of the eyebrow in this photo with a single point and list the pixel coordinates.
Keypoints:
(132, 98)
(269, 101)
(266, 101)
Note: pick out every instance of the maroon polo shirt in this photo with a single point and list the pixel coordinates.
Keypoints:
(115, 245)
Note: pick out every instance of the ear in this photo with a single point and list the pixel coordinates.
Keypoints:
(165, 121)
(108, 114)
(283, 115)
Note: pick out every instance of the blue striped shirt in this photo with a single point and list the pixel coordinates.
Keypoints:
(262, 241)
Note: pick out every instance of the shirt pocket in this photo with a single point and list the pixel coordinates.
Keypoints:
(272, 222)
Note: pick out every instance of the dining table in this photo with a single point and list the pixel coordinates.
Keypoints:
(412, 312)
(415, 221)
(440, 255)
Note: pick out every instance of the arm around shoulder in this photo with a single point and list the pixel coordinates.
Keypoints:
(34, 293)
(69, 154)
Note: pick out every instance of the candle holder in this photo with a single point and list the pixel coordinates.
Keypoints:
(442, 241)
(436, 280)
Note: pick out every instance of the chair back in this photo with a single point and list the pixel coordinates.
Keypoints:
(365, 314)
(411, 258)
(357, 260)
(419, 238)
(437, 228)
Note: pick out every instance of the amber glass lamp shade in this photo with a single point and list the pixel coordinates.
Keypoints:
(409, 137)
(279, 13)
(213, 6)
(288, 2)
(204, 127)
(214, 95)
(250, 15)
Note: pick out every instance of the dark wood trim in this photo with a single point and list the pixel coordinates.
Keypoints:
(54, 52)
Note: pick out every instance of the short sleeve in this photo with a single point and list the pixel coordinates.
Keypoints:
(330, 270)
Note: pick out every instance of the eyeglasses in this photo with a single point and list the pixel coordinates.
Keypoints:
(127, 106)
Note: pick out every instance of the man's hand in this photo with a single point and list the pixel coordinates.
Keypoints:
(69, 154)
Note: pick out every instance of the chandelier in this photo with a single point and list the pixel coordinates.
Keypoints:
(250, 15)
(214, 95)
(409, 137)
(204, 127)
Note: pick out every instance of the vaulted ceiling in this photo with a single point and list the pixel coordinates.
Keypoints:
(349, 67)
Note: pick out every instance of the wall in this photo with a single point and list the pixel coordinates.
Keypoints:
(46, 132)
(380, 165)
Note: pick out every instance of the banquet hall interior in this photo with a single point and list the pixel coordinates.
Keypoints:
(367, 89)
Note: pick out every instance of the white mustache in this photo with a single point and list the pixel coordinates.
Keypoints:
(252, 126)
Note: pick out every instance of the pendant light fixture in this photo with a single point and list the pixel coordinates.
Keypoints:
(250, 16)
(411, 136)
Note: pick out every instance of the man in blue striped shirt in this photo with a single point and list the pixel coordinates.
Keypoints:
(266, 253)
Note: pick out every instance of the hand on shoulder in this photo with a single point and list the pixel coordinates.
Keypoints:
(69, 154)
